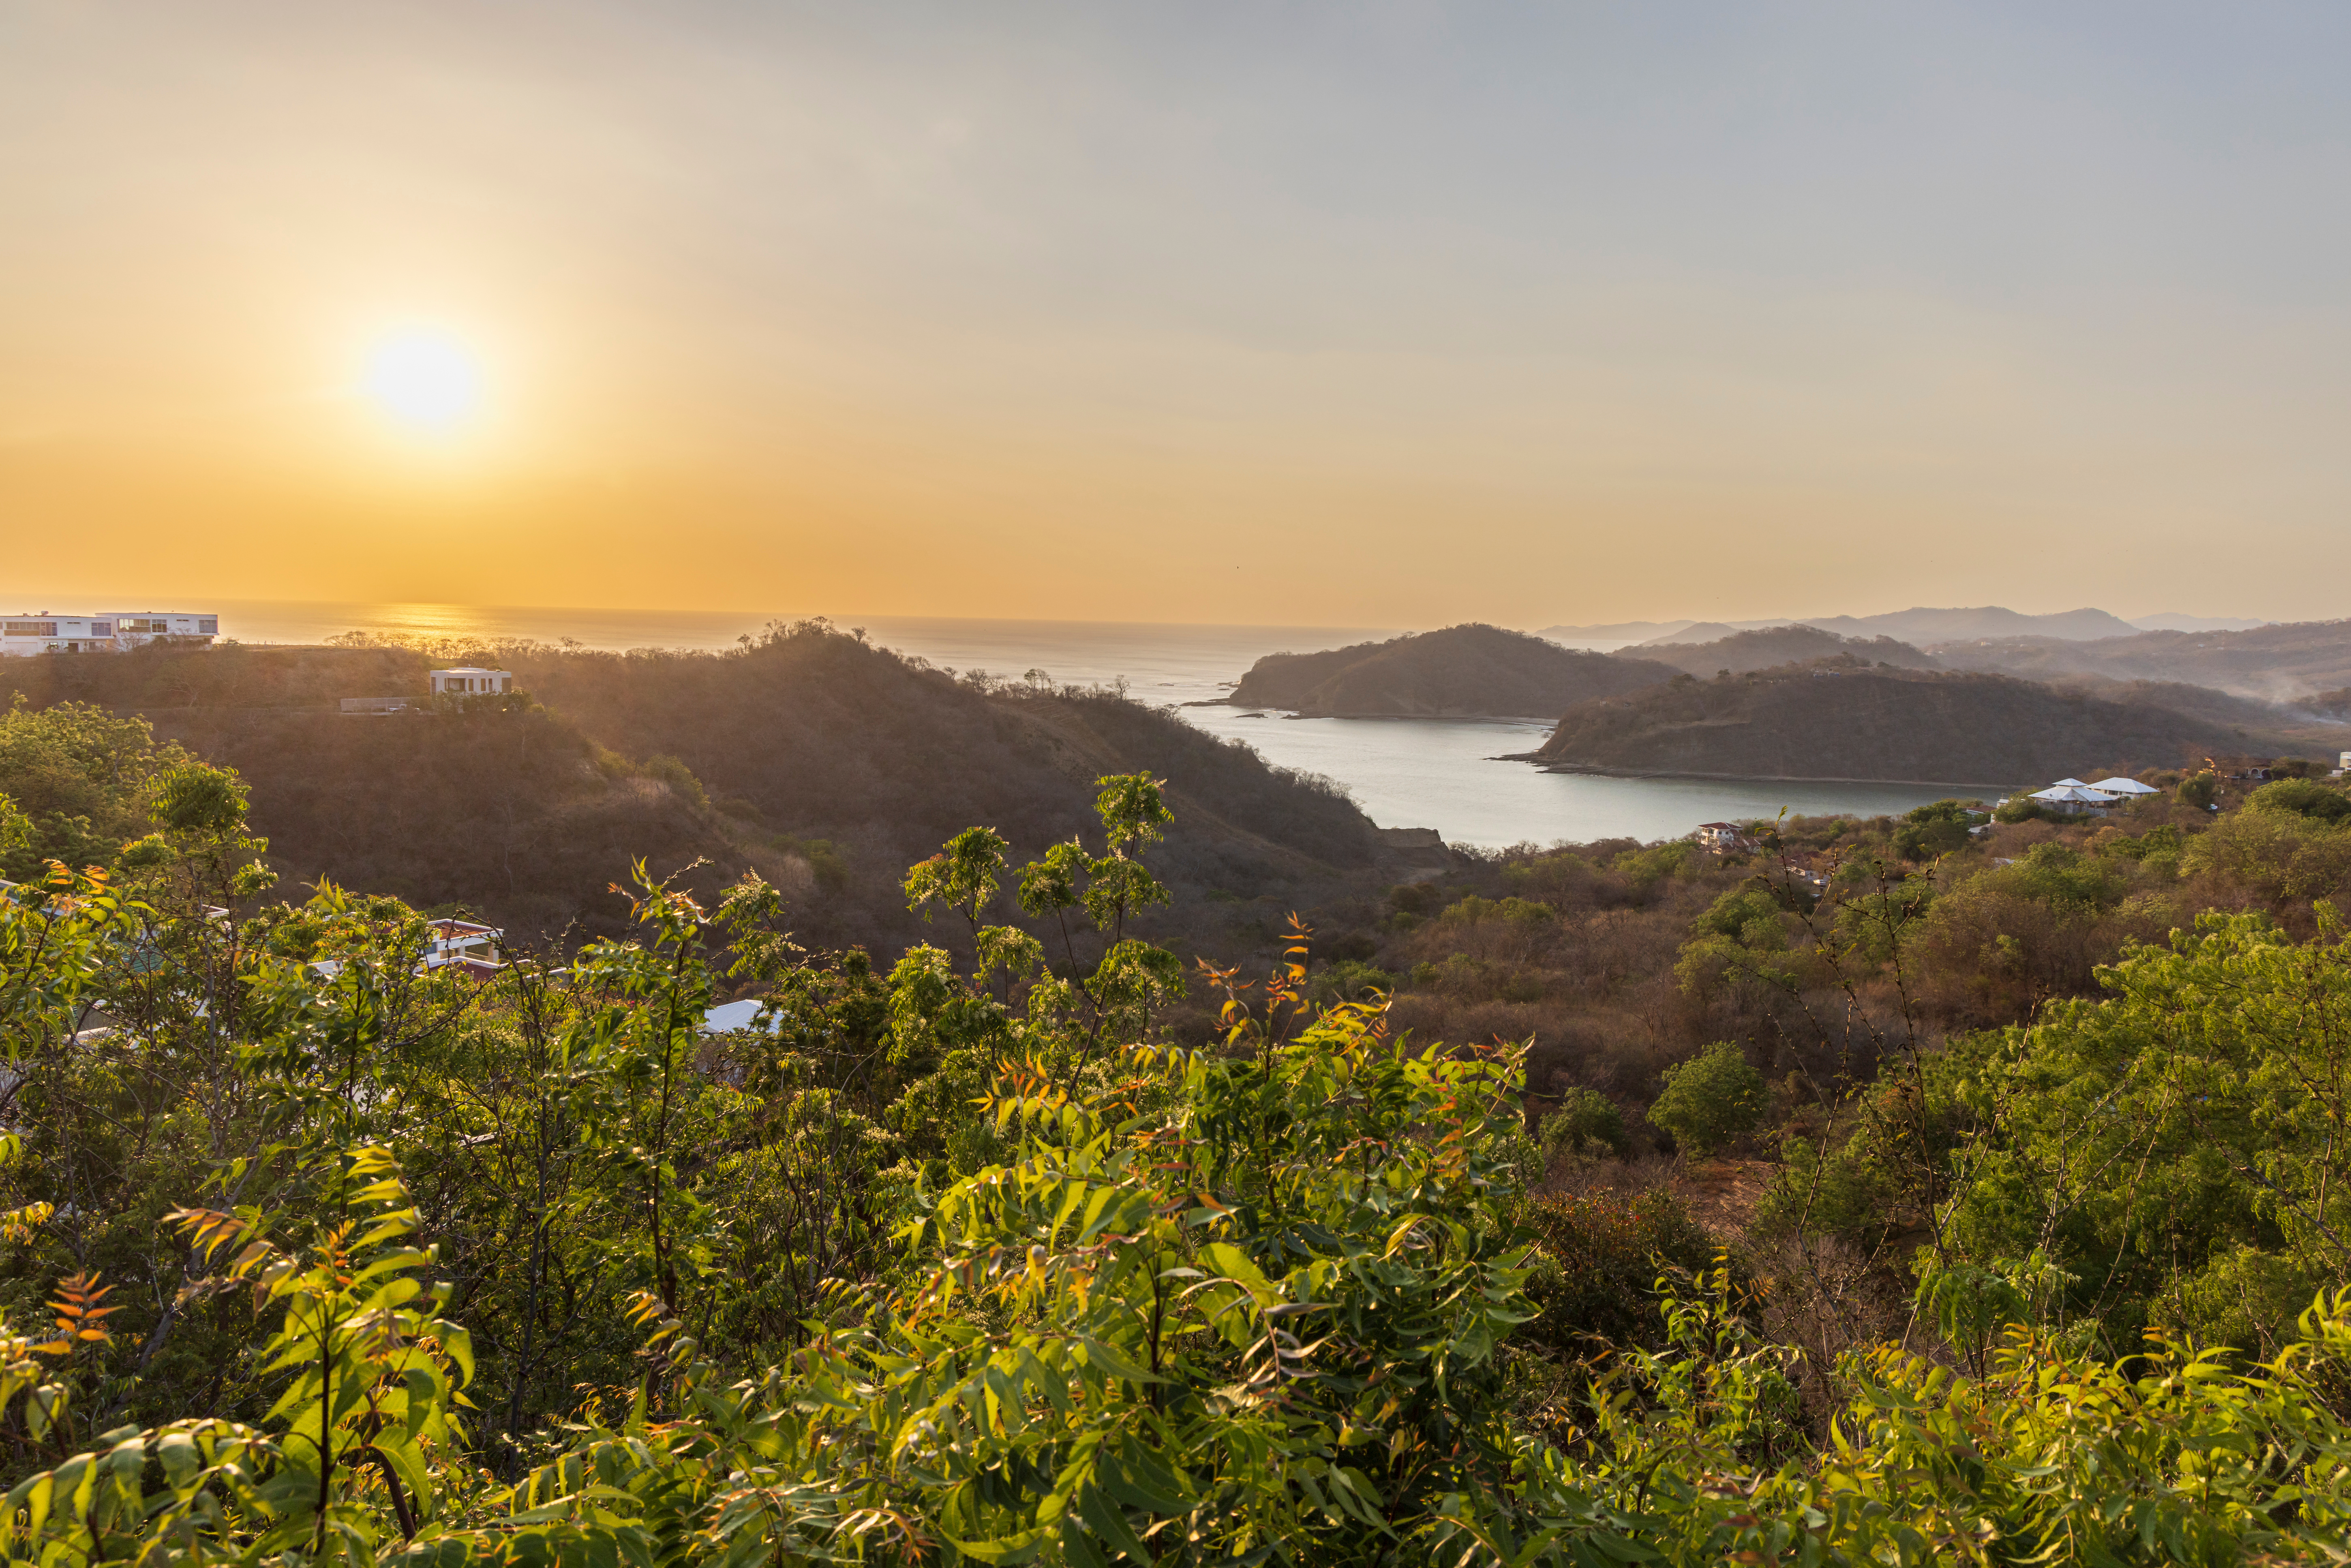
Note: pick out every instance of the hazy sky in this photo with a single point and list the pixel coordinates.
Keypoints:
(1389, 315)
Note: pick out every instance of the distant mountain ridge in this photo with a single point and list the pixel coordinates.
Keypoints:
(1918, 625)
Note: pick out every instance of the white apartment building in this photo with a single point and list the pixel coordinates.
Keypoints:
(470, 680)
(50, 633)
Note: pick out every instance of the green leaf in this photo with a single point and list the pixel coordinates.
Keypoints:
(1104, 1518)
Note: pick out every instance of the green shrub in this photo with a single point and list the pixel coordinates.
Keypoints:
(1645, 868)
(1600, 1259)
(1711, 1100)
(1586, 1123)
(674, 773)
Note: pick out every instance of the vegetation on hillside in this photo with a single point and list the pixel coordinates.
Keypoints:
(806, 755)
(1831, 720)
(1774, 646)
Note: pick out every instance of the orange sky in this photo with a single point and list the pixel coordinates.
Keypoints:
(1387, 315)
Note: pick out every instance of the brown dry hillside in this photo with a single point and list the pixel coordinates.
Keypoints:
(1776, 645)
(1889, 725)
(504, 813)
(1462, 672)
(829, 764)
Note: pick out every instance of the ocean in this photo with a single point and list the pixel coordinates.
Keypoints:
(1406, 773)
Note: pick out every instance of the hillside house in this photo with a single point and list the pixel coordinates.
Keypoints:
(1720, 837)
(470, 949)
(45, 632)
(469, 679)
(470, 946)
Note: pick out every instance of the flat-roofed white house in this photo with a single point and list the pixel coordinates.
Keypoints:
(466, 947)
(101, 633)
(469, 679)
(464, 943)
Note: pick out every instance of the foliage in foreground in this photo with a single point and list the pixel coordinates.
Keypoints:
(968, 1267)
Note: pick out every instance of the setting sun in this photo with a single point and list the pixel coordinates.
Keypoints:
(425, 378)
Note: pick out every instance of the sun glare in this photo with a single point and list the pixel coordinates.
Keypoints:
(425, 378)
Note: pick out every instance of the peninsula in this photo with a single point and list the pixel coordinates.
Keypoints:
(1471, 671)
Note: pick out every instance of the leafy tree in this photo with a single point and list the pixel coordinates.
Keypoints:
(81, 776)
(2303, 798)
(1939, 828)
(2160, 1142)
(1742, 935)
(1711, 1100)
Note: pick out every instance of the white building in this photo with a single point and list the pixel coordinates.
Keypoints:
(466, 943)
(102, 634)
(2073, 797)
(468, 680)
(467, 946)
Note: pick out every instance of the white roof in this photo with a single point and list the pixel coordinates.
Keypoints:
(2126, 787)
(728, 1016)
(2069, 784)
(2080, 796)
(471, 670)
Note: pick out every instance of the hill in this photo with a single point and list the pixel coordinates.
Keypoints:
(1462, 672)
(2311, 725)
(1615, 632)
(1885, 724)
(1918, 625)
(2172, 620)
(1743, 650)
(2280, 662)
(1695, 631)
(1923, 625)
(825, 763)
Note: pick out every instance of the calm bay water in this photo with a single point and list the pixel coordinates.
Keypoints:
(1406, 773)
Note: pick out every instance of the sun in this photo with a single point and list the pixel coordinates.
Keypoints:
(425, 378)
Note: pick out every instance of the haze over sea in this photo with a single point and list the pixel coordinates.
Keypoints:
(1406, 773)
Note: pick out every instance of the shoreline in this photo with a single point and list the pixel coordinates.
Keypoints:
(1377, 718)
(1598, 772)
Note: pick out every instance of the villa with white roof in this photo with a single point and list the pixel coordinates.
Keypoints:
(2073, 795)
